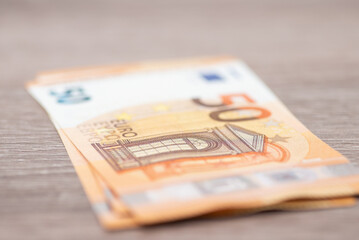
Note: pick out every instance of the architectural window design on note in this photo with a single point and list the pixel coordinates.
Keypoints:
(219, 141)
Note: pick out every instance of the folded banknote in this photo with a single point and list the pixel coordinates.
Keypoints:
(162, 141)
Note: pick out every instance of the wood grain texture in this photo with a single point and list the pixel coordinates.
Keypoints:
(306, 51)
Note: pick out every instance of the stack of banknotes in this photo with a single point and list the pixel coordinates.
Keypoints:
(167, 140)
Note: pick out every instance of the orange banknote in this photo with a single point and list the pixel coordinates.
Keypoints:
(106, 206)
(180, 139)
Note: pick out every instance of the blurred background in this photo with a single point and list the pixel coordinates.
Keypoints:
(270, 35)
(305, 50)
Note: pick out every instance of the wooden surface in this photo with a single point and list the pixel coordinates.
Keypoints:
(306, 51)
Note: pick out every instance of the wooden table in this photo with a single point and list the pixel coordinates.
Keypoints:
(306, 51)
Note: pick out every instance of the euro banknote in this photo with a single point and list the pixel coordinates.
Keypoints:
(112, 213)
(183, 138)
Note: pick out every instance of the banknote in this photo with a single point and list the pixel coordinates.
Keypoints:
(112, 214)
(183, 138)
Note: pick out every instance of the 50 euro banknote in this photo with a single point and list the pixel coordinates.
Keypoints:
(113, 214)
(183, 138)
